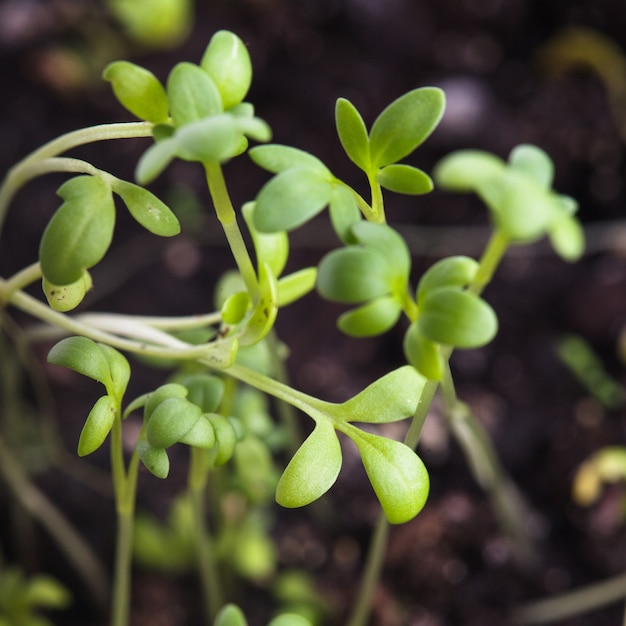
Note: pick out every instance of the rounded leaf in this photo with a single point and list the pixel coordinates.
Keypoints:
(155, 459)
(154, 215)
(313, 469)
(457, 318)
(352, 133)
(192, 94)
(534, 162)
(119, 370)
(235, 307)
(230, 615)
(80, 232)
(290, 199)
(162, 393)
(204, 390)
(295, 286)
(454, 271)
(46, 592)
(389, 244)
(138, 90)
(373, 318)
(225, 436)
(344, 213)
(170, 421)
(404, 179)
(213, 138)
(405, 124)
(271, 248)
(98, 425)
(82, 355)
(155, 159)
(67, 297)
(290, 619)
(567, 237)
(468, 170)
(422, 353)
(275, 158)
(200, 435)
(227, 62)
(398, 476)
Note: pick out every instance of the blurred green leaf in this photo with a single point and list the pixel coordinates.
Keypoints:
(534, 162)
(404, 179)
(296, 285)
(455, 271)
(230, 615)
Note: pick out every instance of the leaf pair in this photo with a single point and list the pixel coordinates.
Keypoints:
(81, 230)
(396, 473)
(447, 314)
(373, 273)
(518, 194)
(104, 364)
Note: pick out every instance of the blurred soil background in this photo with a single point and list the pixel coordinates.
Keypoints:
(547, 72)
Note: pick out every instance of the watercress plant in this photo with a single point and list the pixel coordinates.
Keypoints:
(200, 115)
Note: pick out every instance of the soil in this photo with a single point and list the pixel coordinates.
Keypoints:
(452, 565)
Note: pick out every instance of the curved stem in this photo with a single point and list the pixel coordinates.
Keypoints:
(378, 204)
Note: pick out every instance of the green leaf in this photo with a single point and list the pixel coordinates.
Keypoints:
(119, 371)
(344, 213)
(455, 271)
(290, 199)
(352, 275)
(225, 436)
(456, 318)
(534, 162)
(397, 474)
(289, 619)
(235, 307)
(227, 62)
(204, 390)
(230, 615)
(372, 318)
(212, 138)
(47, 593)
(389, 244)
(276, 158)
(138, 90)
(391, 398)
(155, 459)
(154, 215)
(422, 353)
(468, 170)
(98, 425)
(405, 124)
(567, 238)
(296, 285)
(313, 469)
(201, 434)
(84, 356)
(80, 232)
(170, 421)
(264, 314)
(270, 248)
(404, 179)
(352, 133)
(67, 297)
(192, 94)
(155, 159)
(162, 393)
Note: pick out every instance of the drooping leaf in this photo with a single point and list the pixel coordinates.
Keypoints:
(162, 393)
(225, 437)
(213, 138)
(352, 133)
(138, 90)
(201, 434)
(155, 159)
(422, 353)
(204, 390)
(372, 318)
(82, 355)
(391, 398)
(344, 213)
(155, 459)
(405, 124)
(227, 62)
(398, 476)
(313, 469)
(275, 158)
(170, 420)
(567, 237)
(153, 214)
(455, 271)
(67, 297)
(192, 94)
(80, 232)
(290, 199)
(119, 370)
(534, 162)
(404, 179)
(457, 318)
(97, 426)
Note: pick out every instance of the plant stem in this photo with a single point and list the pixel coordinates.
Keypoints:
(207, 566)
(228, 219)
(496, 248)
(378, 204)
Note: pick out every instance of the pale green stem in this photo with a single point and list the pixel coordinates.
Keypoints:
(573, 603)
(491, 257)
(21, 173)
(19, 281)
(228, 219)
(378, 204)
(207, 566)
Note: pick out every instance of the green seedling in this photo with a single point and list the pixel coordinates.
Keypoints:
(227, 362)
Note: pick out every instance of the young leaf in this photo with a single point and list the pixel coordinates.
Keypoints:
(270, 248)
(422, 353)
(155, 459)
(227, 62)
(230, 615)
(213, 138)
(405, 124)
(119, 370)
(389, 244)
(290, 199)
(313, 469)
(170, 421)
(455, 271)
(397, 474)
(295, 286)
(160, 394)
(391, 398)
(275, 158)
(155, 159)
(200, 435)
(235, 307)
(372, 318)
(225, 436)
(352, 133)
(98, 425)
(84, 356)
(67, 297)
(80, 232)
(192, 94)
(457, 318)
(534, 162)
(264, 314)
(344, 213)
(138, 90)
(290, 619)
(567, 237)
(147, 209)
(404, 179)
(204, 390)
(468, 170)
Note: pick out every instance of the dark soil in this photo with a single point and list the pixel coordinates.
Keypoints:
(452, 564)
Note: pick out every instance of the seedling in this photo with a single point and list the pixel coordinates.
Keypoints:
(200, 116)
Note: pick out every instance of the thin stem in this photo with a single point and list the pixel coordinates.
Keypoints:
(378, 204)
(228, 219)
(496, 248)
(19, 281)
(123, 561)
